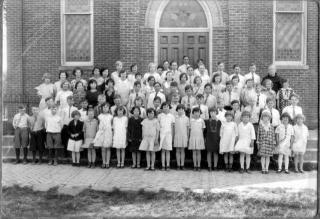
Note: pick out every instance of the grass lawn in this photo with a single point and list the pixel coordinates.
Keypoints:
(26, 203)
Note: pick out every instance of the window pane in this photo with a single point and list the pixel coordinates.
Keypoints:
(77, 38)
(186, 13)
(288, 37)
(289, 5)
(77, 6)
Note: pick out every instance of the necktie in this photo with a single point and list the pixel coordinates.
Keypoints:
(253, 77)
(293, 112)
(258, 100)
(156, 94)
(137, 95)
(188, 101)
(271, 116)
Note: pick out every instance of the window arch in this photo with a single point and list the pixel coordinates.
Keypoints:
(185, 14)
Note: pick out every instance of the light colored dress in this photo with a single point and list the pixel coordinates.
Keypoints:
(165, 122)
(62, 98)
(228, 133)
(246, 135)
(182, 124)
(123, 89)
(104, 135)
(149, 131)
(301, 134)
(285, 134)
(120, 125)
(44, 90)
(90, 129)
(196, 141)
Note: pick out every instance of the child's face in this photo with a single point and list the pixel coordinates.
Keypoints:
(110, 84)
(151, 82)
(105, 73)
(136, 112)
(229, 87)
(117, 101)
(65, 86)
(213, 114)
(138, 102)
(63, 76)
(84, 104)
(198, 81)
(299, 121)
(120, 113)
(134, 69)
(217, 79)
(174, 66)
(166, 109)
(22, 111)
(76, 117)
(186, 60)
(189, 92)
(47, 80)
(235, 106)
(249, 84)
(294, 100)
(54, 110)
(183, 79)
(237, 70)
(90, 114)
(70, 102)
(93, 85)
(258, 89)
(196, 114)
(169, 76)
(49, 103)
(35, 111)
(157, 87)
(101, 99)
(199, 100)
(119, 67)
(208, 90)
(270, 104)
(151, 115)
(123, 76)
(180, 112)
(159, 71)
(245, 119)
(201, 69)
(166, 65)
(80, 86)
(221, 67)
(285, 120)
(105, 108)
(78, 73)
(190, 71)
(252, 69)
(137, 88)
(285, 85)
(152, 68)
(265, 119)
(96, 72)
(229, 118)
(175, 98)
(220, 105)
(156, 103)
(138, 77)
(235, 81)
(268, 85)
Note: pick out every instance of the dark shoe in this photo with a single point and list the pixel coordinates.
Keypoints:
(152, 169)
(73, 164)
(287, 171)
(199, 169)
(163, 168)
(25, 161)
(122, 166)
(178, 167)
(214, 169)
(230, 169)
(168, 168)
(118, 166)
(55, 163)
(133, 166)
(195, 168)
(296, 171)
(107, 166)
(40, 161)
(209, 169)
(263, 172)
(182, 168)
(147, 168)
(266, 172)
(34, 162)
(50, 162)
(78, 165)
(248, 171)
(301, 171)
(103, 166)
(138, 166)
(93, 165)
(89, 165)
(241, 170)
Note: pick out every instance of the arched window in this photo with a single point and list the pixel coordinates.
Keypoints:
(185, 14)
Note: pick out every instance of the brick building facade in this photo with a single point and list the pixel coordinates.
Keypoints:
(237, 32)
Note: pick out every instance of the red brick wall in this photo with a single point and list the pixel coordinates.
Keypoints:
(120, 33)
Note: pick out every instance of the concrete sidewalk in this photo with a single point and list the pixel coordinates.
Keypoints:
(72, 180)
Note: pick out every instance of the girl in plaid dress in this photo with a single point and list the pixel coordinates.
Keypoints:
(283, 96)
(266, 141)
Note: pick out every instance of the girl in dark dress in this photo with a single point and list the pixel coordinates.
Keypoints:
(212, 134)
(135, 136)
(109, 92)
(92, 93)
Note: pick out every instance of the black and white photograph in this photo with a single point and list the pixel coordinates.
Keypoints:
(159, 108)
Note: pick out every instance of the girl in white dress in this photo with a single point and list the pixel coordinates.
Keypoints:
(229, 135)
(63, 94)
(120, 124)
(166, 122)
(284, 137)
(63, 76)
(196, 140)
(246, 139)
(181, 133)
(150, 135)
(45, 90)
(299, 146)
(123, 88)
(103, 137)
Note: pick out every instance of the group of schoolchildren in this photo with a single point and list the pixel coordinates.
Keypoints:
(167, 107)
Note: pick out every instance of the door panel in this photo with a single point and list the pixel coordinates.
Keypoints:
(173, 46)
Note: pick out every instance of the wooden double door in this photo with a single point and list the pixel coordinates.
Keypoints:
(173, 46)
